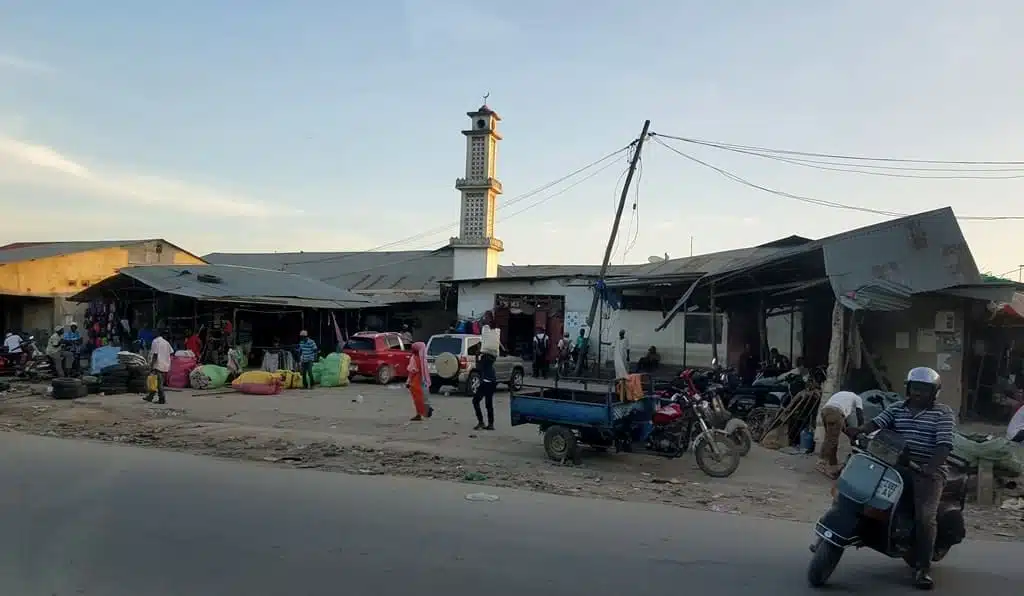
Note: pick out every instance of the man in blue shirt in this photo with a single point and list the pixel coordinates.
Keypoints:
(307, 356)
(928, 429)
(72, 345)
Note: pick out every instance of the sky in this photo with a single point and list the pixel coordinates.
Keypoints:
(335, 125)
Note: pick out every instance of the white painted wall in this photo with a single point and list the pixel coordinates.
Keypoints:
(476, 299)
(474, 263)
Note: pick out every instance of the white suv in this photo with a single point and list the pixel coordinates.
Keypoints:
(510, 370)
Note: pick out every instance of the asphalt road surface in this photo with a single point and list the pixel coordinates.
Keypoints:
(108, 520)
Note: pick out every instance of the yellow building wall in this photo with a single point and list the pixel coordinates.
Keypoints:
(69, 274)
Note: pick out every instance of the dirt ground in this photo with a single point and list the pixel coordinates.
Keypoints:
(365, 429)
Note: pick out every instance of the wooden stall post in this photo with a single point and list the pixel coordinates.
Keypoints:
(836, 367)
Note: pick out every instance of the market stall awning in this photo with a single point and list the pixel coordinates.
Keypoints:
(230, 283)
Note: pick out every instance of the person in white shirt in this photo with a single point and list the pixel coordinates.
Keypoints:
(1015, 430)
(160, 365)
(12, 341)
(834, 414)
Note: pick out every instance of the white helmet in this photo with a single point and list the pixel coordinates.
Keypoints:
(924, 378)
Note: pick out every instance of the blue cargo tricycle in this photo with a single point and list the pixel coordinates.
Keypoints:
(576, 412)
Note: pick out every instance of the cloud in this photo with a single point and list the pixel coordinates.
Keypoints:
(11, 62)
(29, 165)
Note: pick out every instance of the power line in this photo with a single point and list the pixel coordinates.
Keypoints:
(888, 171)
(448, 226)
(506, 218)
(811, 200)
(840, 156)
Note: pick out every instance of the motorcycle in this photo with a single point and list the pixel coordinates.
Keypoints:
(11, 364)
(681, 420)
(708, 385)
(873, 507)
(758, 404)
(38, 367)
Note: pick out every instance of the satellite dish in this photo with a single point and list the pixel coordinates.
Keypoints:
(655, 259)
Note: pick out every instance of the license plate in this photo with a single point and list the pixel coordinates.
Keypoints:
(887, 491)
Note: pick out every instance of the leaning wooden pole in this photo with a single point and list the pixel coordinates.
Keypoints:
(611, 244)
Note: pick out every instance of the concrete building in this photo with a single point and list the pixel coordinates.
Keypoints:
(37, 277)
(476, 248)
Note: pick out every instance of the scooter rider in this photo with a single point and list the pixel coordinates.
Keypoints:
(928, 429)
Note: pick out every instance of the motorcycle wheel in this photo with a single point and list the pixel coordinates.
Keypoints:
(743, 440)
(721, 465)
(823, 563)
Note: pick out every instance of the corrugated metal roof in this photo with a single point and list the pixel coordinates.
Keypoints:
(18, 252)
(229, 283)
(414, 270)
(884, 263)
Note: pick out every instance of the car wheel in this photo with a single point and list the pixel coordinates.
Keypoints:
(515, 382)
(384, 375)
(472, 383)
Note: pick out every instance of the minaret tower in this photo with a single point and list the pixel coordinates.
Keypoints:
(476, 249)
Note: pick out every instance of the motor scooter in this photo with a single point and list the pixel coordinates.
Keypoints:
(873, 507)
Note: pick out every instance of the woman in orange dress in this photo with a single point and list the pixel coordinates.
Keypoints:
(418, 381)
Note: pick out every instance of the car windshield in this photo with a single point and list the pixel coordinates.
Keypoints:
(441, 344)
(360, 343)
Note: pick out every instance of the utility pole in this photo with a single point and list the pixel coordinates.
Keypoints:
(611, 245)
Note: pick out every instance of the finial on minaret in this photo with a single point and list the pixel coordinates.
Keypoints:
(486, 96)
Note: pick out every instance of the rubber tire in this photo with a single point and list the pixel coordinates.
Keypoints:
(560, 444)
(472, 382)
(385, 374)
(743, 440)
(823, 563)
(515, 382)
(702, 450)
(65, 383)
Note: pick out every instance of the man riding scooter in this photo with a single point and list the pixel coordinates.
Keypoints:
(928, 429)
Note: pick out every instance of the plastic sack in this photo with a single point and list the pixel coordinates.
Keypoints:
(318, 372)
(258, 388)
(335, 370)
(289, 379)
(218, 375)
(151, 383)
(177, 377)
(999, 450)
(255, 377)
(490, 341)
(102, 358)
(197, 379)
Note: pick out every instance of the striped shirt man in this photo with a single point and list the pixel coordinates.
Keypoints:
(307, 350)
(924, 430)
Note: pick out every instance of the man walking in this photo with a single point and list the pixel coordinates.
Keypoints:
(540, 353)
(159, 366)
(834, 414)
(307, 356)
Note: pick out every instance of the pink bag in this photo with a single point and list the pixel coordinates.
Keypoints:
(177, 377)
(259, 388)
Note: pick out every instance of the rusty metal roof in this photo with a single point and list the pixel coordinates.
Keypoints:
(230, 283)
(18, 252)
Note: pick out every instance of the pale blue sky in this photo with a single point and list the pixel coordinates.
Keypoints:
(137, 118)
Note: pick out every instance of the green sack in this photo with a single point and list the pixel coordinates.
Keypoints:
(999, 450)
(332, 371)
(218, 375)
(318, 372)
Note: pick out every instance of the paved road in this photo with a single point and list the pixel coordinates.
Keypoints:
(100, 519)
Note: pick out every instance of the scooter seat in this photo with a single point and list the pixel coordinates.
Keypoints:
(955, 486)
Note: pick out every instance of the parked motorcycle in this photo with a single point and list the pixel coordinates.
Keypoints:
(38, 367)
(11, 364)
(684, 419)
(708, 384)
(873, 507)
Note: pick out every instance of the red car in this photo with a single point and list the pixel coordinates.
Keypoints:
(383, 356)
